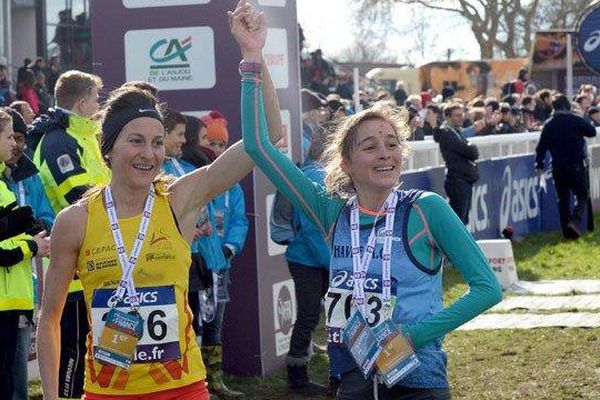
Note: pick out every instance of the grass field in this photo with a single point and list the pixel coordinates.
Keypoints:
(534, 364)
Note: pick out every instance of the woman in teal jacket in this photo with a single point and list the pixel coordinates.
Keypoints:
(387, 245)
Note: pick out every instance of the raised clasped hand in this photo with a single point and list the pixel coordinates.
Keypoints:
(249, 28)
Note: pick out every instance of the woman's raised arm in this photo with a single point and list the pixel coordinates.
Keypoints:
(193, 190)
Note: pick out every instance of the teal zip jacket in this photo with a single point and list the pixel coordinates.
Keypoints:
(433, 230)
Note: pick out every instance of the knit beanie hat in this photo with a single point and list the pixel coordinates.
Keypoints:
(216, 126)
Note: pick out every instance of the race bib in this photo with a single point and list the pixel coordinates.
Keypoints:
(160, 338)
(338, 302)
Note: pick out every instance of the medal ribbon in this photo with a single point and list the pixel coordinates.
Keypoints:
(360, 266)
(128, 264)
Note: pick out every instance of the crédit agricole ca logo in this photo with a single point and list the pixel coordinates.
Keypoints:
(170, 53)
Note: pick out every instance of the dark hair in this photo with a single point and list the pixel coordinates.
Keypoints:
(492, 102)
(412, 113)
(148, 87)
(526, 101)
(522, 73)
(543, 94)
(510, 99)
(191, 150)
(122, 99)
(28, 78)
(560, 102)
(434, 108)
(172, 118)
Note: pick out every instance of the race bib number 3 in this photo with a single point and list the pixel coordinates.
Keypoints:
(338, 303)
(160, 338)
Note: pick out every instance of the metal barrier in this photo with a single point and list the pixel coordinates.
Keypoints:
(426, 153)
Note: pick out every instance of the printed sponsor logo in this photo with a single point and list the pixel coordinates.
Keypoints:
(284, 313)
(94, 251)
(519, 200)
(159, 257)
(479, 217)
(592, 42)
(345, 251)
(172, 59)
(65, 163)
(101, 264)
(345, 280)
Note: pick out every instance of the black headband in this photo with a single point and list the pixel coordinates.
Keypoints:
(113, 125)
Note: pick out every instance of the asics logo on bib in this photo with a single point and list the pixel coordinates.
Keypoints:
(344, 280)
(144, 297)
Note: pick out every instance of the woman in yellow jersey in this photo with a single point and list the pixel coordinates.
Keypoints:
(129, 243)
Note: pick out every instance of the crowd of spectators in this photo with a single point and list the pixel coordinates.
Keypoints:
(34, 84)
(520, 108)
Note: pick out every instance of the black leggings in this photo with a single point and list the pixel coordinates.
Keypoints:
(73, 331)
(354, 386)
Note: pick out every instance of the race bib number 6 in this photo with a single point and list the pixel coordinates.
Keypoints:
(158, 309)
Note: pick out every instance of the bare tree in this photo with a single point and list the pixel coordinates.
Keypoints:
(361, 52)
(372, 29)
(559, 14)
(425, 36)
(503, 28)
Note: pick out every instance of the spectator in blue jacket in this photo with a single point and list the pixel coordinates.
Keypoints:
(22, 176)
(308, 261)
(230, 208)
(195, 154)
(231, 226)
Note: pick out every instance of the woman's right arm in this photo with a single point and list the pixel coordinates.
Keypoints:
(311, 198)
(67, 236)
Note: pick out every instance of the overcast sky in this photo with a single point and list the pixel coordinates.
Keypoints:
(328, 25)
